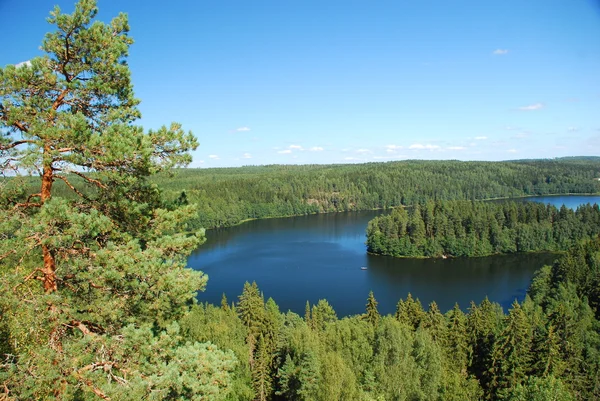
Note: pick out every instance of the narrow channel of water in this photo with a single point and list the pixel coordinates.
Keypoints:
(320, 257)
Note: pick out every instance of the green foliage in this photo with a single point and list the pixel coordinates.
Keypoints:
(228, 196)
(97, 302)
(410, 312)
(540, 389)
(465, 228)
(372, 314)
(93, 270)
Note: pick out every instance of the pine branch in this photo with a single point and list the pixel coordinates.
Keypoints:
(15, 144)
(90, 180)
(78, 192)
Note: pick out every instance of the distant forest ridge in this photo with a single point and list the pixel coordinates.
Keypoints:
(228, 196)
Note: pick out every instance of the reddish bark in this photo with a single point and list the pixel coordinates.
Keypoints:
(49, 269)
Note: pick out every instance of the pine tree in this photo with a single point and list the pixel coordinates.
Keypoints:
(435, 323)
(372, 314)
(93, 263)
(410, 312)
(456, 340)
(251, 308)
(511, 356)
(261, 372)
(224, 304)
(307, 317)
(322, 314)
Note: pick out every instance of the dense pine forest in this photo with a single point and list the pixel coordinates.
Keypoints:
(469, 228)
(544, 348)
(228, 196)
(97, 302)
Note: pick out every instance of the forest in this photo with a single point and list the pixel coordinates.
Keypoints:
(469, 228)
(227, 196)
(544, 348)
(98, 217)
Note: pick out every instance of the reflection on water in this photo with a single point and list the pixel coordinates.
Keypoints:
(320, 256)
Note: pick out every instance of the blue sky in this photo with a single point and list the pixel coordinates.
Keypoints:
(302, 81)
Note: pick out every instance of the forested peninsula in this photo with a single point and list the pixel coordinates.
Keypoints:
(227, 196)
(95, 230)
(473, 228)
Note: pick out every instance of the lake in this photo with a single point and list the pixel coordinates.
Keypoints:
(314, 257)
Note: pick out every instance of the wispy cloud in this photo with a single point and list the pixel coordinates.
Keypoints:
(246, 156)
(243, 129)
(418, 146)
(393, 148)
(520, 135)
(316, 149)
(456, 148)
(284, 152)
(214, 157)
(531, 107)
(500, 52)
(481, 138)
(23, 64)
(512, 151)
(298, 147)
(573, 129)
(362, 151)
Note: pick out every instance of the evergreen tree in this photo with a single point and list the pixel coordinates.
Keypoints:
(372, 314)
(307, 317)
(224, 304)
(251, 308)
(322, 315)
(511, 356)
(93, 263)
(456, 340)
(261, 372)
(435, 323)
(410, 312)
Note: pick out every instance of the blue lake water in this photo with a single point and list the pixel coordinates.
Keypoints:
(320, 257)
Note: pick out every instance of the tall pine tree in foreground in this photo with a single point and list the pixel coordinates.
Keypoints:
(92, 265)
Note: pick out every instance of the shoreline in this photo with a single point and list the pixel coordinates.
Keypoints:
(390, 208)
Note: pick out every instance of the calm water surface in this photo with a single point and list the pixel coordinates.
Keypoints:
(320, 256)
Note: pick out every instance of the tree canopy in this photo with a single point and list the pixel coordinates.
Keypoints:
(93, 279)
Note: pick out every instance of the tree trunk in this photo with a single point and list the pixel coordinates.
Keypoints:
(49, 269)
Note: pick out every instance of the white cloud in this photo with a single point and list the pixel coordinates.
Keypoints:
(316, 149)
(481, 138)
(419, 146)
(23, 64)
(456, 148)
(500, 52)
(392, 148)
(247, 156)
(363, 151)
(531, 107)
(296, 147)
(520, 135)
(350, 158)
(284, 152)
(214, 157)
(572, 129)
(242, 129)
(512, 150)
